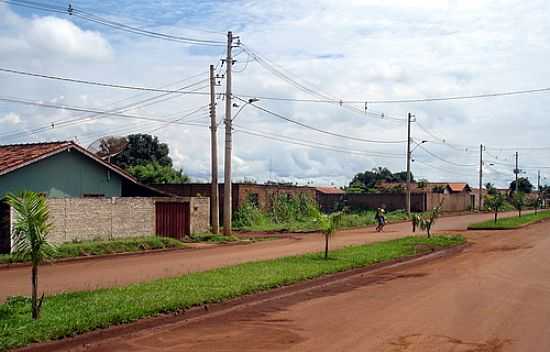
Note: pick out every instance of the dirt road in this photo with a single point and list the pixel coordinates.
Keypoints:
(493, 297)
(120, 271)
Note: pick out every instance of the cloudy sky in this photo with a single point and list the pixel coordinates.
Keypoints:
(359, 50)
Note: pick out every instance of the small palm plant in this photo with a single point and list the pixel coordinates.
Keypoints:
(30, 236)
(329, 224)
(426, 222)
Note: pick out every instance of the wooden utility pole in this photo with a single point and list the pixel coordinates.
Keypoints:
(408, 200)
(516, 171)
(214, 202)
(228, 139)
(480, 177)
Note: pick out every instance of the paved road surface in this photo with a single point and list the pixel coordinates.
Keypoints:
(120, 271)
(493, 297)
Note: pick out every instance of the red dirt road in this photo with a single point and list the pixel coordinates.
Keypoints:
(493, 297)
(121, 271)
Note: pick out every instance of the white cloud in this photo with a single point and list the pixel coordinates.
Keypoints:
(61, 37)
(10, 119)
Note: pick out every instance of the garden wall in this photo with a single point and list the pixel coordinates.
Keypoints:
(80, 219)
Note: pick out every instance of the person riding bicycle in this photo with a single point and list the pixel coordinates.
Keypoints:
(380, 219)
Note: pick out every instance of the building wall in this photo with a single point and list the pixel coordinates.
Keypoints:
(67, 174)
(390, 201)
(81, 219)
(451, 202)
(265, 193)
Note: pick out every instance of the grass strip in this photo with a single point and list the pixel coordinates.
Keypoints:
(91, 248)
(70, 314)
(511, 222)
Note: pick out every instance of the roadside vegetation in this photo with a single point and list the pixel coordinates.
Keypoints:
(299, 214)
(75, 313)
(511, 222)
(91, 248)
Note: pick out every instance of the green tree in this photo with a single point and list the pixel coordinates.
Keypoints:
(494, 203)
(155, 173)
(30, 236)
(524, 185)
(491, 189)
(329, 224)
(367, 180)
(426, 221)
(518, 201)
(143, 149)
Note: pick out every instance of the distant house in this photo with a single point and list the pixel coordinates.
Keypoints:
(448, 187)
(64, 170)
(330, 198)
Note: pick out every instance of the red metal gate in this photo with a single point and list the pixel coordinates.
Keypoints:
(172, 219)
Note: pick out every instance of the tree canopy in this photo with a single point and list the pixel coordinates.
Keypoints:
(143, 149)
(366, 181)
(147, 159)
(153, 172)
(524, 185)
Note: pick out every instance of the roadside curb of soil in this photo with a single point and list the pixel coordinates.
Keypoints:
(123, 254)
(215, 309)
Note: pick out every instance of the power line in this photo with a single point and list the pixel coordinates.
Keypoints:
(444, 160)
(317, 129)
(314, 145)
(80, 109)
(72, 11)
(293, 140)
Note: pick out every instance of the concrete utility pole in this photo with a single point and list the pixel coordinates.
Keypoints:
(214, 202)
(516, 171)
(228, 139)
(538, 192)
(480, 177)
(408, 200)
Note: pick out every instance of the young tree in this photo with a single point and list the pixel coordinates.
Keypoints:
(494, 203)
(30, 236)
(426, 222)
(518, 201)
(329, 224)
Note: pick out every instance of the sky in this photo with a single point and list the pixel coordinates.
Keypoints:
(358, 50)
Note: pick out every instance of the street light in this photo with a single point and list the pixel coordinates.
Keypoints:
(409, 155)
(235, 105)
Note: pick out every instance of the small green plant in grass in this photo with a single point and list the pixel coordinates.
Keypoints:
(518, 201)
(427, 220)
(30, 237)
(494, 203)
(329, 224)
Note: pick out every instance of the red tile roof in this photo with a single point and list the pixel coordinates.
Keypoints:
(15, 156)
(329, 190)
(458, 187)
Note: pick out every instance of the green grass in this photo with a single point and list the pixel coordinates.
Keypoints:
(348, 220)
(91, 248)
(70, 314)
(513, 222)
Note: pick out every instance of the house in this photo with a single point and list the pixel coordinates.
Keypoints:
(448, 187)
(89, 198)
(64, 170)
(330, 198)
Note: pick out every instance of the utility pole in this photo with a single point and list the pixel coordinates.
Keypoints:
(480, 177)
(408, 200)
(228, 139)
(516, 171)
(538, 193)
(214, 202)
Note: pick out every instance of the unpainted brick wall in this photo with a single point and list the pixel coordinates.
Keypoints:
(200, 214)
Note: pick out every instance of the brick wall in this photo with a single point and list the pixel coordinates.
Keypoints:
(111, 218)
(200, 214)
